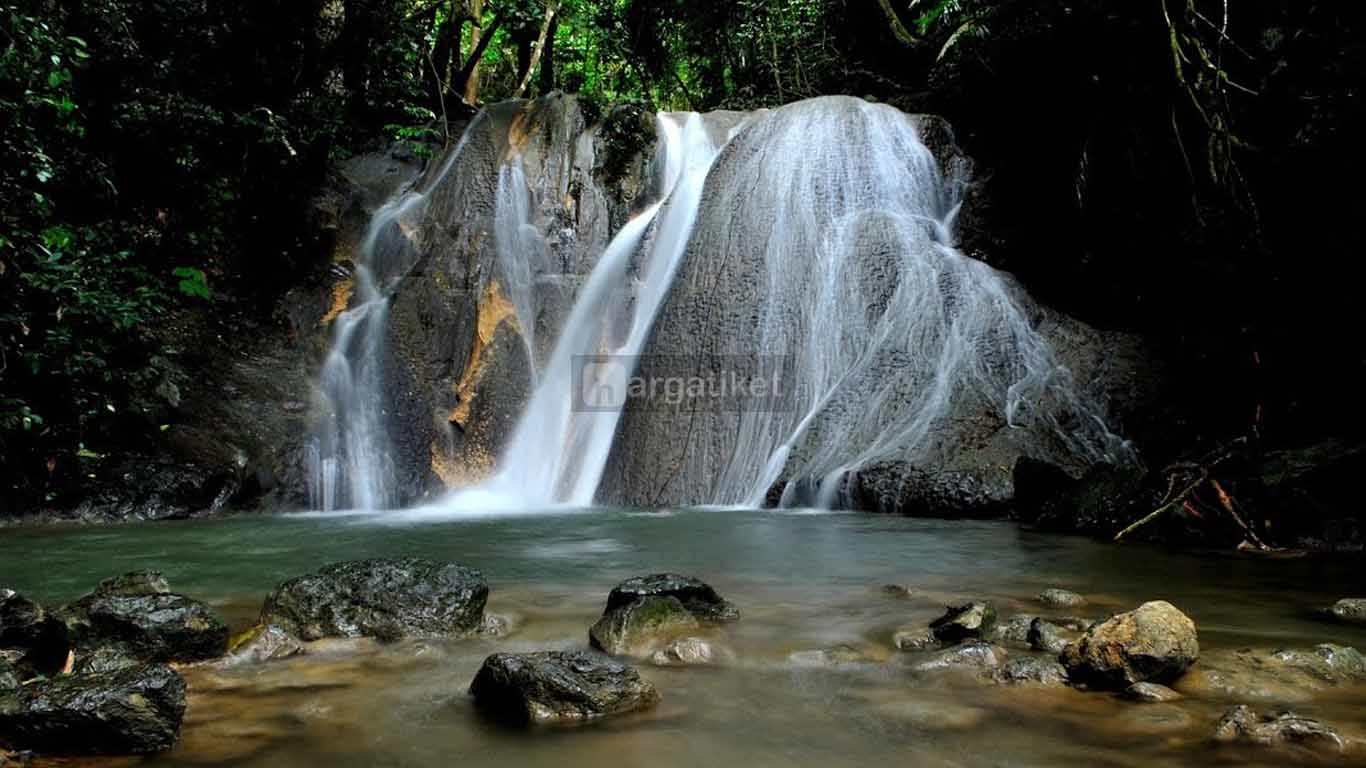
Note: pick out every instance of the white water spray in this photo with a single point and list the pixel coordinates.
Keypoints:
(557, 454)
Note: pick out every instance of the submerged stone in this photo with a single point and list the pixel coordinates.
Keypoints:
(1031, 670)
(972, 655)
(262, 643)
(381, 598)
(550, 687)
(132, 711)
(1061, 598)
(1244, 725)
(964, 622)
(1331, 663)
(915, 639)
(686, 651)
(1153, 643)
(1151, 693)
(1350, 610)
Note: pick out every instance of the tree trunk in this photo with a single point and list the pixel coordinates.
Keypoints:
(468, 79)
(551, 7)
(479, 42)
(548, 59)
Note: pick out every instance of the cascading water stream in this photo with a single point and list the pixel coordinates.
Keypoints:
(350, 462)
(557, 453)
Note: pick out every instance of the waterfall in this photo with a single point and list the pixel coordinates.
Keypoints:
(820, 234)
(557, 453)
(826, 238)
(350, 463)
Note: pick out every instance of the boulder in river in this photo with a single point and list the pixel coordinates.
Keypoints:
(131, 711)
(964, 622)
(1244, 725)
(137, 618)
(551, 687)
(387, 599)
(697, 596)
(638, 628)
(1153, 643)
(1351, 610)
(645, 613)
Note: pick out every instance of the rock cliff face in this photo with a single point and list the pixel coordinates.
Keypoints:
(514, 223)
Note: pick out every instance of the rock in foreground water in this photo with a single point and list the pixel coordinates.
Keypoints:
(696, 596)
(382, 598)
(646, 613)
(136, 618)
(639, 628)
(1243, 725)
(1153, 643)
(132, 711)
(964, 622)
(551, 687)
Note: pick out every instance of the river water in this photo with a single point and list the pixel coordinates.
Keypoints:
(803, 581)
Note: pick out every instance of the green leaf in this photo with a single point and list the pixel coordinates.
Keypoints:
(193, 282)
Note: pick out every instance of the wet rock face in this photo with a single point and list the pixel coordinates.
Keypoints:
(1349, 610)
(1153, 643)
(915, 639)
(1244, 725)
(964, 622)
(136, 618)
(696, 596)
(384, 599)
(558, 687)
(133, 711)
(899, 488)
(160, 627)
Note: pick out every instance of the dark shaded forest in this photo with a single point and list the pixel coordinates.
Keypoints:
(1179, 168)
